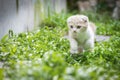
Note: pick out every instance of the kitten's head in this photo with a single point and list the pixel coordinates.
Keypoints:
(77, 23)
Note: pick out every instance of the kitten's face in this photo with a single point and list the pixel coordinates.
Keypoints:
(77, 23)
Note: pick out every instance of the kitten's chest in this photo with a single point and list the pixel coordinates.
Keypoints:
(81, 38)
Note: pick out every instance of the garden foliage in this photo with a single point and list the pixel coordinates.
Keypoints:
(44, 54)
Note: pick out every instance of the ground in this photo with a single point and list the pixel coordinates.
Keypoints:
(43, 54)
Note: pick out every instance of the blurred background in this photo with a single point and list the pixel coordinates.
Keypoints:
(39, 51)
(26, 15)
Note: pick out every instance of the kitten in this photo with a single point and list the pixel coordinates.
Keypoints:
(81, 33)
(116, 11)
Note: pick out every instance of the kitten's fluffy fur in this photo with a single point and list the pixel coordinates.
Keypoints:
(81, 33)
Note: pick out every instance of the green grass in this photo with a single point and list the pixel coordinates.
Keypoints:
(44, 54)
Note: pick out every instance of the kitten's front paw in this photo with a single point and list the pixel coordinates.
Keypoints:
(73, 51)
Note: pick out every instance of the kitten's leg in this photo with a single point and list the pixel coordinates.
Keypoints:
(73, 46)
(80, 49)
(89, 45)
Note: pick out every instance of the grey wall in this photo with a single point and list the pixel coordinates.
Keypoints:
(18, 17)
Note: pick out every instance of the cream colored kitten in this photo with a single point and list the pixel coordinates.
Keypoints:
(81, 33)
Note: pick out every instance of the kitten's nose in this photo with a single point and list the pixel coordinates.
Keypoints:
(74, 30)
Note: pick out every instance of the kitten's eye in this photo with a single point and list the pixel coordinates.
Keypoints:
(71, 26)
(78, 27)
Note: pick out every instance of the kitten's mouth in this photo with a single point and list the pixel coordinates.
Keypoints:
(74, 31)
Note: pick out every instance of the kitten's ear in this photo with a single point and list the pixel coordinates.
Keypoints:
(85, 19)
(67, 20)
